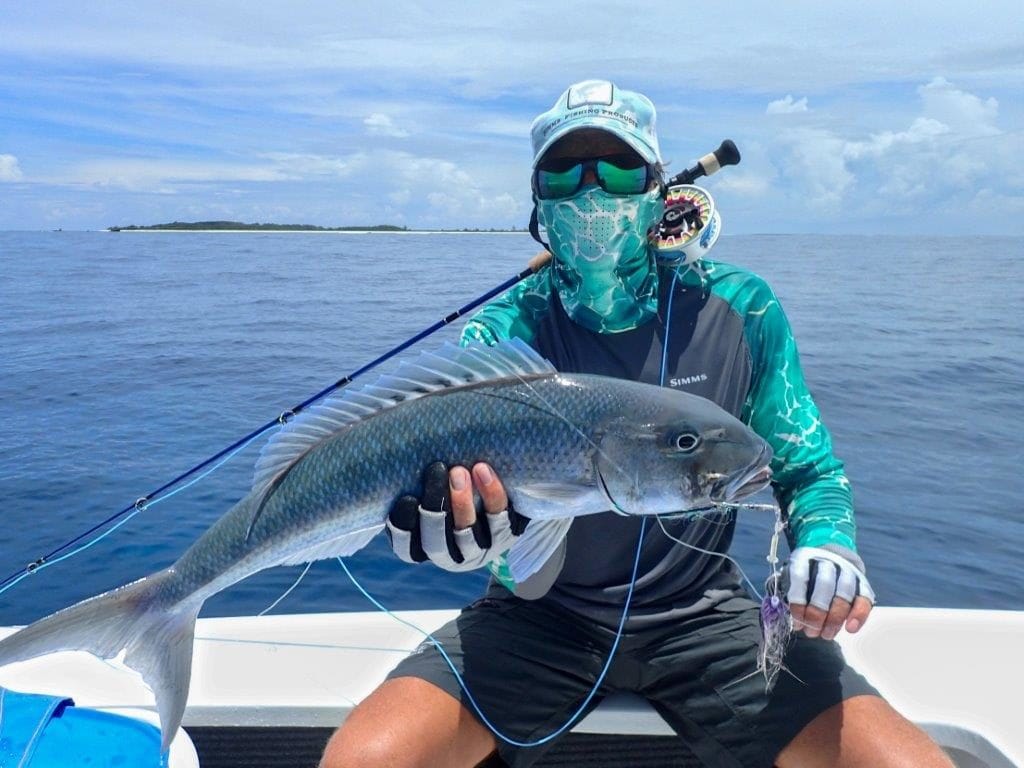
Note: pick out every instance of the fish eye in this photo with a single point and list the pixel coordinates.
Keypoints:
(687, 441)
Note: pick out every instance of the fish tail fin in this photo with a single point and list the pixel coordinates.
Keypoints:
(155, 632)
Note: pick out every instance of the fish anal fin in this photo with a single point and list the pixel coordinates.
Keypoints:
(339, 546)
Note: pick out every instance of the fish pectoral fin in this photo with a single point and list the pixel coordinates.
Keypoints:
(545, 501)
(339, 546)
(555, 493)
(536, 546)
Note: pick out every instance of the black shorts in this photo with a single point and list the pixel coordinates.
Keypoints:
(529, 665)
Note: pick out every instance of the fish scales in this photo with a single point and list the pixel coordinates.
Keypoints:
(533, 430)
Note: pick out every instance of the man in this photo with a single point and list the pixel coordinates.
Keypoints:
(531, 653)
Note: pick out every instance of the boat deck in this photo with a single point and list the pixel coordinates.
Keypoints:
(293, 678)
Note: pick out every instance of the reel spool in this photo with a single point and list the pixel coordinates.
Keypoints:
(689, 227)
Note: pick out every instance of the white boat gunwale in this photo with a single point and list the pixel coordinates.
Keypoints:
(953, 671)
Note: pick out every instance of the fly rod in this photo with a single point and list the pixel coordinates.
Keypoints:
(711, 163)
(534, 265)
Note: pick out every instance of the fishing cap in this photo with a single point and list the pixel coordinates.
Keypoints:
(599, 104)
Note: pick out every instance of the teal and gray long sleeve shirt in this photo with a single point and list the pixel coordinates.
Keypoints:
(723, 335)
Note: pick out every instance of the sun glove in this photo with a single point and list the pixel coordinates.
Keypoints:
(423, 529)
(819, 574)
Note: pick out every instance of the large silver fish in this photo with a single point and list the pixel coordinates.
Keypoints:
(564, 444)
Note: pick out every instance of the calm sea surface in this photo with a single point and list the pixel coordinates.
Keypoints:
(127, 358)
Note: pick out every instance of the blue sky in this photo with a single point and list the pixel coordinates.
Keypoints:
(861, 117)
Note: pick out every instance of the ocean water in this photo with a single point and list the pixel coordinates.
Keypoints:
(127, 358)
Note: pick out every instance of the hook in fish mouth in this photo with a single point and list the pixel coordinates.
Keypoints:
(750, 480)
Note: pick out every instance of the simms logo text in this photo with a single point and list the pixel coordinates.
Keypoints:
(686, 380)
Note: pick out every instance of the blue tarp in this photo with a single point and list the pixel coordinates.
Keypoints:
(38, 731)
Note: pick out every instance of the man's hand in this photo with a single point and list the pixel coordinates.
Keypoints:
(444, 526)
(827, 588)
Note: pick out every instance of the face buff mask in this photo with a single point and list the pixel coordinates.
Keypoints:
(604, 270)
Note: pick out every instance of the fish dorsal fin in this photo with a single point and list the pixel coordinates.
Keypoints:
(446, 368)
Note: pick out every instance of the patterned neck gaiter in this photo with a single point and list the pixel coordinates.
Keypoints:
(603, 269)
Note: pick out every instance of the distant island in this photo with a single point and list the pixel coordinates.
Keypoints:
(238, 226)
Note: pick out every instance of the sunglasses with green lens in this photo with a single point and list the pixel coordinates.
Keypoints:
(619, 174)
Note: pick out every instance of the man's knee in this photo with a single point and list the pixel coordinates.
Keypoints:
(407, 723)
(863, 731)
(370, 737)
(353, 750)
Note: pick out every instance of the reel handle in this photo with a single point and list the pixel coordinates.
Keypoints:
(712, 162)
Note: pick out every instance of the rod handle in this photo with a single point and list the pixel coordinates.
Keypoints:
(539, 261)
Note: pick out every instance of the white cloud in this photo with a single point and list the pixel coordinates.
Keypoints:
(9, 170)
(302, 166)
(280, 105)
(503, 126)
(965, 113)
(988, 205)
(421, 189)
(786, 106)
(817, 163)
(505, 206)
(744, 184)
(379, 124)
(947, 151)
(455, 194)
(924, 130)
(164, 175)
(406, 41)
(400, 196)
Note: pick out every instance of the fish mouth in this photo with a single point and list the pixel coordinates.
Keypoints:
(751, 479)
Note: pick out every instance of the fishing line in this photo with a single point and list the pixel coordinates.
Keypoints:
(227, 453)
(668, 325)
(726, 154)
(665, 345)
(774, 617)
(140, 505)
(288, 591)
(664, 370)
(632, 583)
(723, 555)
(552, 410)
(717, 508)
(622, 620)
(462, 683)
